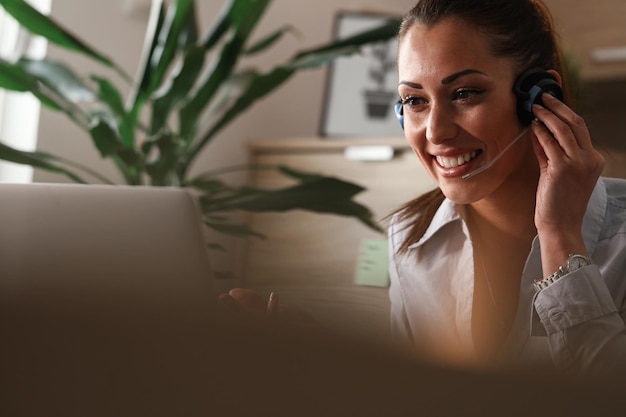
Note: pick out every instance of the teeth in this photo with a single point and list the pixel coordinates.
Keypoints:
(455, 161)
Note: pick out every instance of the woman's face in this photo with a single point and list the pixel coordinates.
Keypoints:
(459, 110)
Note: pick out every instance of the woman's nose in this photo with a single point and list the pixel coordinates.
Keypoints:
(440, 125)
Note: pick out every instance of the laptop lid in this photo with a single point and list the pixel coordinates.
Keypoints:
(144, 242)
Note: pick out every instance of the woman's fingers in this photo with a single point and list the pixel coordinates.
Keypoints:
(550, 147)
(564, 137)
(244, 299)
(566, 126)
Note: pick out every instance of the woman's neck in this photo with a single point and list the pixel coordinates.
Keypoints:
(510, 210)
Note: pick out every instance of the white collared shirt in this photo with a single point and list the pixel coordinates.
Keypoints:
(576, 324)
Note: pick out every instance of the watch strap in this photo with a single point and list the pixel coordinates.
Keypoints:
(566, 268)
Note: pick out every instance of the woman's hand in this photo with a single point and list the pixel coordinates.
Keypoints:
(249, 303)
(569, 169)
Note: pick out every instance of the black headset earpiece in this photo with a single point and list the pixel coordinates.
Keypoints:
(398, 107)
(528, 89)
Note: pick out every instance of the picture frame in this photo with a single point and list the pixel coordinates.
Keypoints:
(361, 89)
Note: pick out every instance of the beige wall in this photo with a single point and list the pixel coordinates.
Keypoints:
(293, 111)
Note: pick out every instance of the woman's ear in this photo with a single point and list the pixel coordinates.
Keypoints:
(556, 75)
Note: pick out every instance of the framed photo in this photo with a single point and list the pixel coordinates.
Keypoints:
(361, 89)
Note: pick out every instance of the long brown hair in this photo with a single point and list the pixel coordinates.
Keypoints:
(520, 29)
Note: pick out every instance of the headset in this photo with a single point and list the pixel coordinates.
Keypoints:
(398, 107)
(528, 89)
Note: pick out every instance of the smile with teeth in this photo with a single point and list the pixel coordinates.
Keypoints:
(455, 161)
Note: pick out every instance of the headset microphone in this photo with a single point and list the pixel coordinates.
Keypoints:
(493, 161)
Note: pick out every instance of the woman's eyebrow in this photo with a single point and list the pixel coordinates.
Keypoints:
(410, 84)
(446, 80)
(453, 77)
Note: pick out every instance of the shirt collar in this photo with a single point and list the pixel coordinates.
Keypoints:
(592, 222)
(447, 213)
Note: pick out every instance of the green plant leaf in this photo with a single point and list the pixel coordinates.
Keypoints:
(236, 14)
(269, 40)
(326, 54)
(299, 175)
(318, 59)
(58, 78)
(105, 137)
(177, 86)
(39, 24)
(15, 78)
(220, 26)
(163, 167)
(155, 23)
(318, 194)
(346, 208)
(233, 229)
(174, 26)
(207, 186)
(190, 33)
(37, 160)
(297, 196)
(112, 97)
(242, 17)
(384, 32)
(228, 92)
(166, 99)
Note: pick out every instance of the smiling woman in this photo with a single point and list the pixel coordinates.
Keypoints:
(521, 229)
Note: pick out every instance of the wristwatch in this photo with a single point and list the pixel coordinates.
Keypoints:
(573, 263)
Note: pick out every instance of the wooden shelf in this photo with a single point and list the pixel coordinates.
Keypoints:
(320, 144)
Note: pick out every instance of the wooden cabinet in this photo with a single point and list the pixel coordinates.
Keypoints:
(308, 259)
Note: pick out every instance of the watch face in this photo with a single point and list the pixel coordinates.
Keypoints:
(576, 262)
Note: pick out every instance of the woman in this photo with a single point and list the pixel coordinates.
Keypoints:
(506, 212)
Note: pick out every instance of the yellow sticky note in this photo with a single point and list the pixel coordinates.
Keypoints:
(372, 266)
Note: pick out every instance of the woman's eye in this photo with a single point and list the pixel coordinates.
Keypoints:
(413, 101)
(466, 93)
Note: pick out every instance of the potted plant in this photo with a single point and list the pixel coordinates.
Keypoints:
(186, 105)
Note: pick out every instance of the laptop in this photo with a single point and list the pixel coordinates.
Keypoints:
(106, 292)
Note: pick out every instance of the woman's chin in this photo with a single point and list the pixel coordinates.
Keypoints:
(460, 194)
